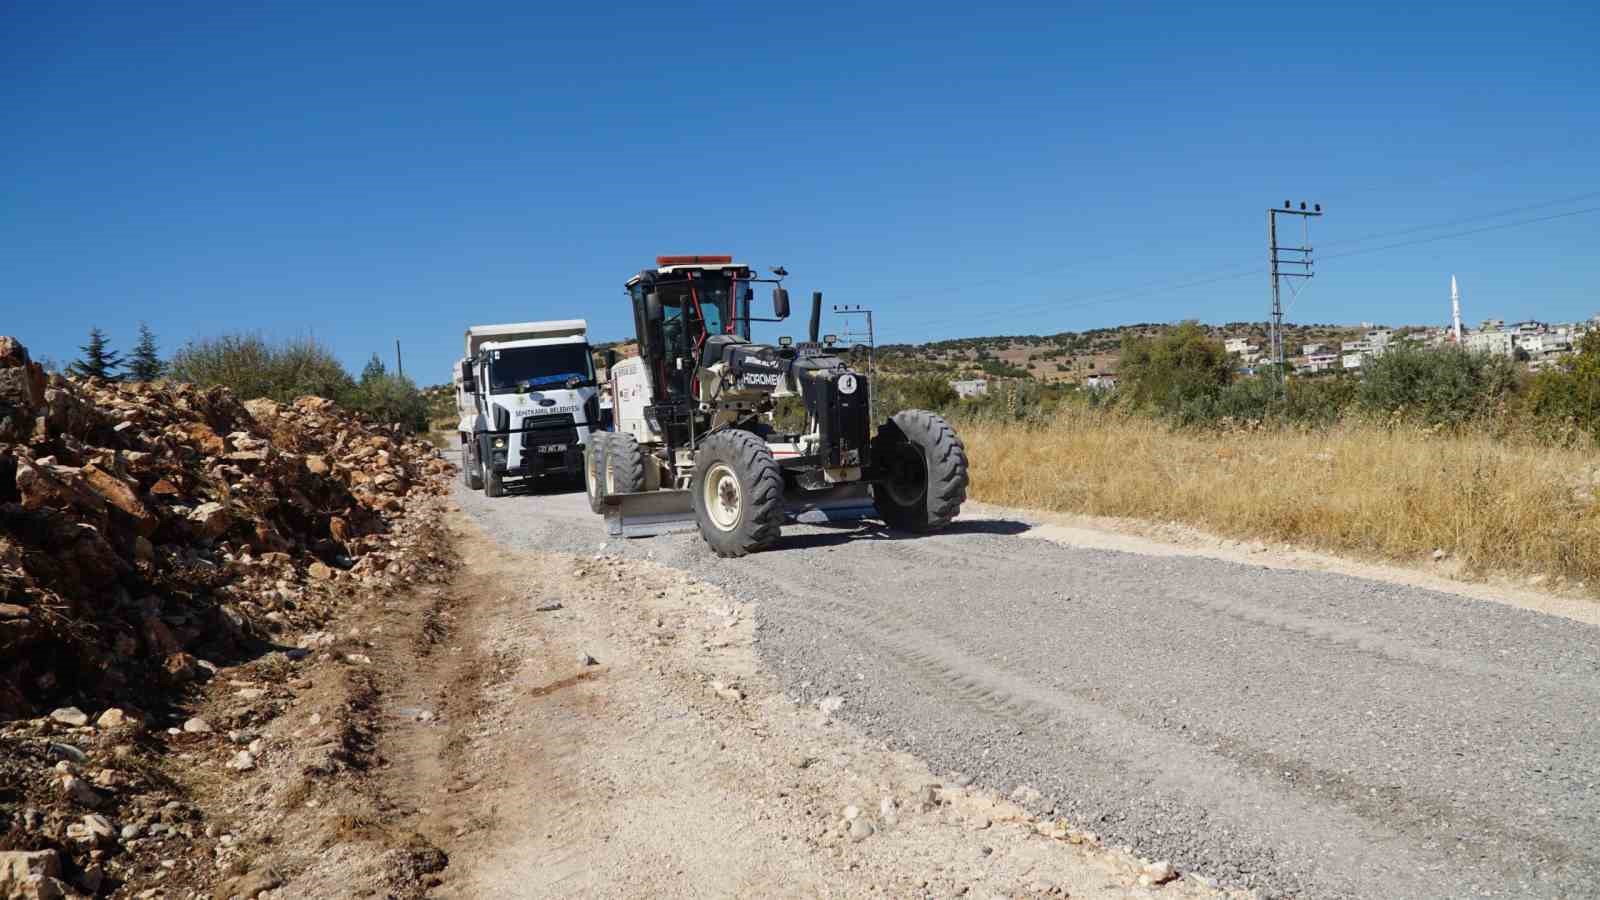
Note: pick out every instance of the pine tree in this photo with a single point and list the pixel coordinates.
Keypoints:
(99, 361)
(375, 369)
(146, 364)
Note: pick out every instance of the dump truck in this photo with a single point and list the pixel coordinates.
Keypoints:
(528, 400)
(695, 444)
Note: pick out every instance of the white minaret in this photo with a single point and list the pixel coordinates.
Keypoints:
(1455, 309)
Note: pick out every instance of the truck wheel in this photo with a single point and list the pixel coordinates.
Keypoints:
(624, 465)
(494, 484)
(471, 472)
(924, 469)
(738, 493)
(594, 469)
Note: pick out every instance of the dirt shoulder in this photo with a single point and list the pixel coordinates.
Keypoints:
(592, 726)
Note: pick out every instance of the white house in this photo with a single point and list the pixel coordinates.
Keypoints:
(1101, 381)
(1313, 349)
(1362, 346)
(1497, 343)
(1240, 346)
(1540, 344)
(1379, 339)
(974, 387)
(1320, 362)
(1353, 360)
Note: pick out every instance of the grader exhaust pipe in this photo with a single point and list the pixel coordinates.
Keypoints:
(816, 315)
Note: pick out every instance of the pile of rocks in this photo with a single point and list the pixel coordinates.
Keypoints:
(150, 535)
(146, 526)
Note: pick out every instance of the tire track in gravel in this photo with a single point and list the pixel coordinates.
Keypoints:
(1315, 628)
(1199, 764)
(1297, 731)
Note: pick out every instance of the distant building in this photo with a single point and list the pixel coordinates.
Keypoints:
(1101, 381)
(1320, 362)
(1313, 349)
(1240, 346)
(974, 387)
(1353, 360)
(1379, 339)
(1362, 346)
(1541, 344)
(1497, 343)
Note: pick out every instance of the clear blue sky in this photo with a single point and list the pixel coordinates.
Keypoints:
(378, 171)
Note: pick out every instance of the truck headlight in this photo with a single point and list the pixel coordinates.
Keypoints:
(499, 443)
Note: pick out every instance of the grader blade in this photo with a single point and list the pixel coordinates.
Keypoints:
(843, 503)
(649, 513)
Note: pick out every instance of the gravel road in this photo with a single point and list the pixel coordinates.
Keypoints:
(1298, 732)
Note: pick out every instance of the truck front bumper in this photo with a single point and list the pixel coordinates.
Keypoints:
(506, 454)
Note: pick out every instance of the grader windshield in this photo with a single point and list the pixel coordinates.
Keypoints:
(697, 304)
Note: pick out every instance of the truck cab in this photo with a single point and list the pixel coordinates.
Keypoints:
(534, 402)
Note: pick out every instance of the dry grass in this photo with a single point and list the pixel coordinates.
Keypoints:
(1381, 493)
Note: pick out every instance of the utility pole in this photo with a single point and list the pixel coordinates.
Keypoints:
(1287, 262)
(852, 335)
(399, 366)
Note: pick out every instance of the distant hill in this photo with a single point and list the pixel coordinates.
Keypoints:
(1072, 356)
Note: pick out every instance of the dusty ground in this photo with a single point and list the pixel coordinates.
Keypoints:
(1251, 713)
(562, 724)
(569, 716)
(670, 766)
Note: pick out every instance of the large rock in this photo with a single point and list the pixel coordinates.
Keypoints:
(211, 519)
(31, 874)
(70, 715)
(122, 496)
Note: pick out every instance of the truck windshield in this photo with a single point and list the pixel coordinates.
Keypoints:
(535, 368)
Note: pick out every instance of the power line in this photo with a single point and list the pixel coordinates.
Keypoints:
(1102, 297)
(1444, 237)
(1478, 218)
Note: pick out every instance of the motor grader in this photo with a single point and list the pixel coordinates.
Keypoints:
(695, 442)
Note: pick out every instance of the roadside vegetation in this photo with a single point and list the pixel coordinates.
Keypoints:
(1430, 450)
(252, 366)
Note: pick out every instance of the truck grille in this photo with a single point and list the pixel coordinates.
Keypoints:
(543, 431)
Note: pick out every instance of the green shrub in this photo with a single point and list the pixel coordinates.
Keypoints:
(1448, 386)
(1179, 372)
(393, 399)
(1569, 397)
(931, 392)
(252, 367)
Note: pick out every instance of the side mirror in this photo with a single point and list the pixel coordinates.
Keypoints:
(780, 303)
(652, 308)
(611, 359)
(468, 382)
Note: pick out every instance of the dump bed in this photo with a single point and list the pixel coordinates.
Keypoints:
(521, 331)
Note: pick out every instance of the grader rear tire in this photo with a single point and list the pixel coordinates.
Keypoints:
(594, 469)
(738, 493)
(926, 467)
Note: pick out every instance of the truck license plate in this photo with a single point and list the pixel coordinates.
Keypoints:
(551, 448)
